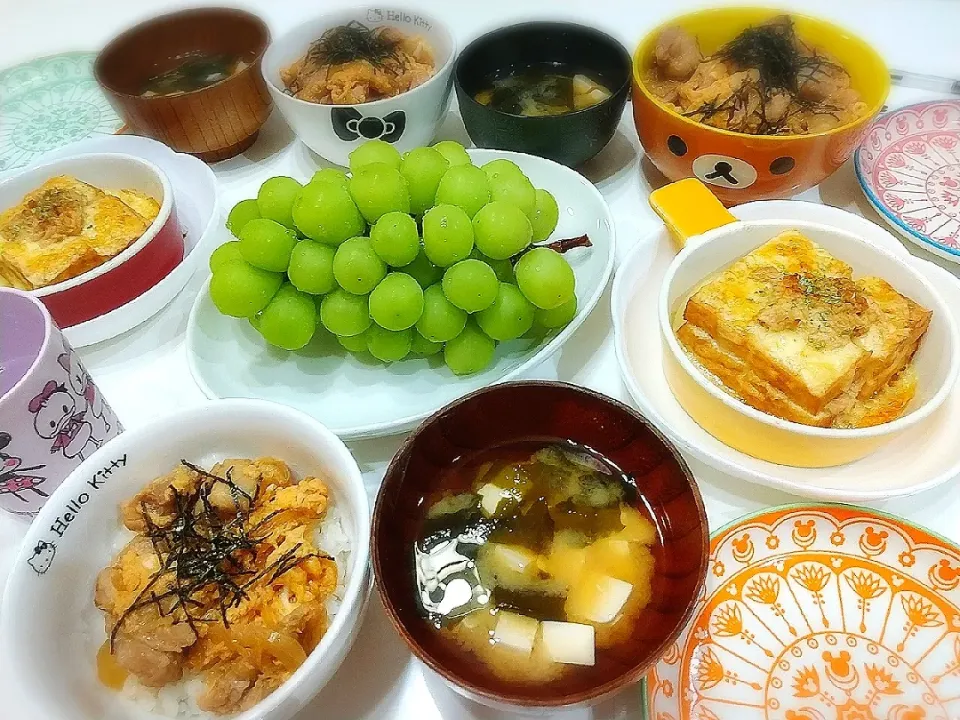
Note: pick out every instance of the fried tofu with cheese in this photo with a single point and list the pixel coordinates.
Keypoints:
(789, 331)
(67, 227)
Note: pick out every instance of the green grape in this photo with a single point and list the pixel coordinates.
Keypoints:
(311, 267)
(354, 343)
(510, 316)
(471, 285)
(397, 302)
(289, 320)
(447, 235)
(275, 199)
(239, 289)
(332, 175)
(516, 189)
(395, 239)
(501, 230)
(424, 347)
(545, 278)
(325, 211)
(464, 186)
(498, 169)
(470, 352)
(374, 151)
(389, 345)
(379, 188)
(557, 317)
(441, 320)
(242, 213)
(423, 271)
(345, 314)
(356, 267)
(503, 269)
(267, 244)
(423, 169)
(545, 216)
(454, 152)
(226, 253)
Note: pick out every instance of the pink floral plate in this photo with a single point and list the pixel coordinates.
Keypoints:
(818, 612)
(908, 165)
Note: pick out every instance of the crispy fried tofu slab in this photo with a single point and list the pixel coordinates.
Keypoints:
(789, 331)
(66, 227)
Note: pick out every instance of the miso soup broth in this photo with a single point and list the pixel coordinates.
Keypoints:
(542, 90)
(535, 559)
(193, 71)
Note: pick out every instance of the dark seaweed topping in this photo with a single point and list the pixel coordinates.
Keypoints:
(354, 41)
(783, 64)
(772, 50)
(205, 552)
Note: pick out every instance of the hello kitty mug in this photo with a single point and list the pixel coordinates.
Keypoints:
(52, 416)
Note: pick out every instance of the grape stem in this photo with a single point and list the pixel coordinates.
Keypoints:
(560, 246)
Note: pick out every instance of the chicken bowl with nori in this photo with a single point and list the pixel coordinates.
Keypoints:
(757, 103)
(211, 564)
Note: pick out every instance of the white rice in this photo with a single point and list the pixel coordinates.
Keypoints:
(180, 700)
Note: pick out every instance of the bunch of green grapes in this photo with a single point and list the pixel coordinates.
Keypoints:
(414, 255)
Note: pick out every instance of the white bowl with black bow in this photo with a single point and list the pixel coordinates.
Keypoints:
(407, 120)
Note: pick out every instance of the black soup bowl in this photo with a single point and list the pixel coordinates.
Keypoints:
(571, 138)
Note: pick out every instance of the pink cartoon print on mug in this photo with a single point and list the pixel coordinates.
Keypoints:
(17, 480)
(58, 418)
(82, 386)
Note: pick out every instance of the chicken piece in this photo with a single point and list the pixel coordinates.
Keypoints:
(267, 471)
(120, 582)
(677, 54)
(153, 668)
(776, 107)
(158, 499)
(225, 685)
(822, 82)
(265, 685)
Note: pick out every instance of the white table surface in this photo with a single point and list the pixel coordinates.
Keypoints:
(144, 373)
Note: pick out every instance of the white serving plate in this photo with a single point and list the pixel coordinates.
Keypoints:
(921, 458)
(50, 629)
(356, 399)
(195, 190)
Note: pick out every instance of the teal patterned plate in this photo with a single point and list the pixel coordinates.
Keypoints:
(50, 102)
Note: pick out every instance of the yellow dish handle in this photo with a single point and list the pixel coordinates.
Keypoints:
(688, 208)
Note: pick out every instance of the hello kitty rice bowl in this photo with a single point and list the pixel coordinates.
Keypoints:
(50, 628)
(407, 120)
(52, 416)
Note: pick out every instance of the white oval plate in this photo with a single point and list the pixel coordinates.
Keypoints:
(927, 450)
(195, 189)
(356, 399)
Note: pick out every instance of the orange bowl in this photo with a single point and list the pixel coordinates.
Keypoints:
(763, 167)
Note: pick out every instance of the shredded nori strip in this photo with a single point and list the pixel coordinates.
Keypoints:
(354, 41)
(202, 550)
(775, 52)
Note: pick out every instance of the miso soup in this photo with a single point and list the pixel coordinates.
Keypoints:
(542, 90)
(193, 71)
(535, 560)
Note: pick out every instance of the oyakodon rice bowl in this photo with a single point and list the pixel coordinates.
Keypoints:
(54, 636)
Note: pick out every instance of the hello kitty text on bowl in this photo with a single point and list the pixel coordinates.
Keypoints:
(52, 416)
(133, 271)
(407, 120)
(50, 627)
(909, 168)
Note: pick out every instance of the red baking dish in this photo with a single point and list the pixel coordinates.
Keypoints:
(132, 272)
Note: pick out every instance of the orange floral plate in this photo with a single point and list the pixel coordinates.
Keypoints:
(819, 612)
